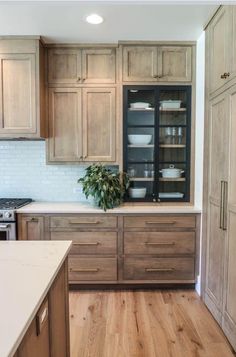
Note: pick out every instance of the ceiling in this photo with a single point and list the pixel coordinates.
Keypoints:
(60, 21)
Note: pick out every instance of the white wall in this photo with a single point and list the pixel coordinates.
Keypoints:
(200, 99)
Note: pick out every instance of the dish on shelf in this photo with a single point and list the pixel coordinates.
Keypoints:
(140, 105)
(139, 139)
(171, 195)
(137, 192)
(170, 104)
(171, 172)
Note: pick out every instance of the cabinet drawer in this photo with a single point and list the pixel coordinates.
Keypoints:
(83, 221)
(144, 268)
(159, 242)
(159, 222)
(89, 242)
(82, 269)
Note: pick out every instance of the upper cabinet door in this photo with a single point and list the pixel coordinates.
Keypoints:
(219, 52)
(175, 64)
(65, 126)
(64, 66)
(99, 66)
(99, 120)
(17, 94)
(140, 64)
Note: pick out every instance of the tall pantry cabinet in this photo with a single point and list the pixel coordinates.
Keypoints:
(219, 206)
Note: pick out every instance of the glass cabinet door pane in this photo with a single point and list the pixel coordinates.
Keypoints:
(140, 143)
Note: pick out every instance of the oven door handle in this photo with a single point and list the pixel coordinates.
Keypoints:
(4, 226)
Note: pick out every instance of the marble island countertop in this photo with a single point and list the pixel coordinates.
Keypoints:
(76, 207)
(27, 272)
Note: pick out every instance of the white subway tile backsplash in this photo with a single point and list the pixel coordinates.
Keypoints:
(24, 173)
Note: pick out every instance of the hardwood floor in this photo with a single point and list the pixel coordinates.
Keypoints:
(143, 324)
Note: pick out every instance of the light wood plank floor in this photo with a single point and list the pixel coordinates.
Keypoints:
(143, 324)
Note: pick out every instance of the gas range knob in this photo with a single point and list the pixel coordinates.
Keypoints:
(8, 214)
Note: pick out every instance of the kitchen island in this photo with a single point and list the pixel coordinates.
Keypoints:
(34, 299)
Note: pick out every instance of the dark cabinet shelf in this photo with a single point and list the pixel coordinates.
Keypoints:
(164, 139)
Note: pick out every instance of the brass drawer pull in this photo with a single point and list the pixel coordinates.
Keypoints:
(33, 219)
(164, 222)
(84, 270)
(84, 243)
(160, 243)
(150, 270)
(79, 222)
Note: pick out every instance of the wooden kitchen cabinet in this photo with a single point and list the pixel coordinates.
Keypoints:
(36, 341)
(140, 63)
(157, 63)
(77, 131)
(64, 66)
(65, 125)
(48, 334)
(99, 124)
(218, 168)
(128, 249)
(22, 89)
(82, 65)
(31, 228)
(219, 204)
(220, 51)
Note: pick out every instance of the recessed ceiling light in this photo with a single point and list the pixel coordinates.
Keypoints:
(94, 19)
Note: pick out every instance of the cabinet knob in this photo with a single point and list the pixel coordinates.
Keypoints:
(78, 79)
(225, 75)
(157, 76)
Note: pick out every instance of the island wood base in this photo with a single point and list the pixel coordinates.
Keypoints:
(48, 334)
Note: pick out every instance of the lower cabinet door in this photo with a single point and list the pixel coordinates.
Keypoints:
(147, 268)
(82, 269)
(36, 340)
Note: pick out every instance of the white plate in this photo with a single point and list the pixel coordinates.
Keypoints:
(171, 195)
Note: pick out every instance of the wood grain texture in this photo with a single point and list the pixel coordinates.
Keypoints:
(143, 324)
(159, 243)
(160, 221)
(89, 242)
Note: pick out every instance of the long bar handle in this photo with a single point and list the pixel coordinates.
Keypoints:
(149, 270)
(160, 243)
(84, 243)
(225, 204)
(221, 203)
(81, 222)
(84, 270)
(4, 226)
(160, 222)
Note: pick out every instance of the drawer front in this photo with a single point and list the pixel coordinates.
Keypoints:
(89, 242)
(159, 242)
(158, 222)
(90, 221)
(82, 269)
(144, 268)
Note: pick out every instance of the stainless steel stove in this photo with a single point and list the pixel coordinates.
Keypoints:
(8, 208)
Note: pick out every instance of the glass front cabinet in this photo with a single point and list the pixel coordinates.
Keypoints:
(157, 142)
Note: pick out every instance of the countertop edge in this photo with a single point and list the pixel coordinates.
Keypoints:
(34, 312)
(73, 208)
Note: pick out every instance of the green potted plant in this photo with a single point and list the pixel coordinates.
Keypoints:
(105, 186)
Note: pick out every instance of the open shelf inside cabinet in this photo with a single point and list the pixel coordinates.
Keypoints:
(157, 138)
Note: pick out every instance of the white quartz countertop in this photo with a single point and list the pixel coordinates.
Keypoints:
(27, 272)
(76, 207)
